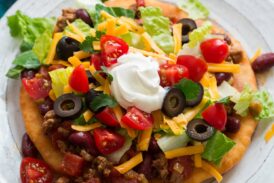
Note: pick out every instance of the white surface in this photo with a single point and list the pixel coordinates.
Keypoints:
(251, 21)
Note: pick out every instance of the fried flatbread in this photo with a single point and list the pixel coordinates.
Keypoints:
(53, 157)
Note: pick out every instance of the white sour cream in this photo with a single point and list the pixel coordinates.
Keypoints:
(136, 82)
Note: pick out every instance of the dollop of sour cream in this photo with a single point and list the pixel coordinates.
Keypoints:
(136, 82)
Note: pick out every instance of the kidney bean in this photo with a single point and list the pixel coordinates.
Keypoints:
(44, 72)
(28, 148)
(46, 106)
(28, 73)
(153, 146)
(85, 140)
(233, 124)
(145, 166)
(221, 76)
(83, 15)
(263, 62)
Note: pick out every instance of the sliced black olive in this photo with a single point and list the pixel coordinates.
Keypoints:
(89, 97)
(199, 130)
(188, 26)
(174, 103)
(66, 46)
(68, 106)
(191, 102)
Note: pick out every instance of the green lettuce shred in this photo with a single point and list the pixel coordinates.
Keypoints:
(198, 35)
(42, 45)
(158, 27)
(60, 78)
(217, 146)
(247, 96)
(133, 39)
(81, 25)
(28, 29)
(194, 8)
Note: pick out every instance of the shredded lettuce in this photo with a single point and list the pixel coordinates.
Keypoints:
(247, 96)
(114, 11)
(28, 29)
(60, 79)
(226, 90)
(133, 39)
(81, 25)
(42, 45)
(199, 34)
(194, 8)
(158, 27)
(268, 104)
(169, 142)
(217, 146)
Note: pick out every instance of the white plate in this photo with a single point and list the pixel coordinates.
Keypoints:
(249, 21)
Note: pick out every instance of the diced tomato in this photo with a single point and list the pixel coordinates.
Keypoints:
(37, 88)
(79, 80)
(196, 66)
(72, 164)
(137, 119)
(111, 49)
(140, 3)
(34, 170)
(216, 116)
(171, 74)
(107, 141)
(96, 60)
(107, 117)
(214, 50)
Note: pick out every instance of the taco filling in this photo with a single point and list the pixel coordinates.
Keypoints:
(143, 94)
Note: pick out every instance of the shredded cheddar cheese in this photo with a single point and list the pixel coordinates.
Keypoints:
(147, 53)
(74, 36)
(121, 30)
(86, 128)
(231, 68)
(96, 75)
(67, 89)
(212, 171)
(175, 128)
(76, 30)
(81, 54)
(61, 62)
(180, 120)
(74, 61)
(110, 26)
(88, 115)
(99, 88)
(184, 151)
(143, 141)
(197, 160)
(269, 134)
(209, 81)
(106, 88)
(96, 45)
(157, 118)
(256, 55)
(177, 37)
(52, 51)
(152, 44)
(128, 165)
(52, 95)
(86, 64)
(92, 32)
(191, 113)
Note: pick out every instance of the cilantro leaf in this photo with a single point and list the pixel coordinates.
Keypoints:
(105, 71)
(81, 121)
(191, 89)
(102, 100)
(15, 72)
(225, 100)
(217, 146)
(87, 45)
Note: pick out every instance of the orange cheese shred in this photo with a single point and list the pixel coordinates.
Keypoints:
(128, 165)
(74, 61)
(256, 55)
(184, 151)
(212, 171)
(231, 68)
(81, 54)
(143, 141)
(86, 128)
(52, 50)
(269, 134)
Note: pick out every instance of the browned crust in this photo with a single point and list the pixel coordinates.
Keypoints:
(53, 157)
(33, 124)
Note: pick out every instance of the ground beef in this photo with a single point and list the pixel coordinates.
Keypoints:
(63, 131)
(62, 146)
(50, 121)
(89, 176)
(103, 166)
(68, 14)
(86, 155)
(160, 165)
(62, 180)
